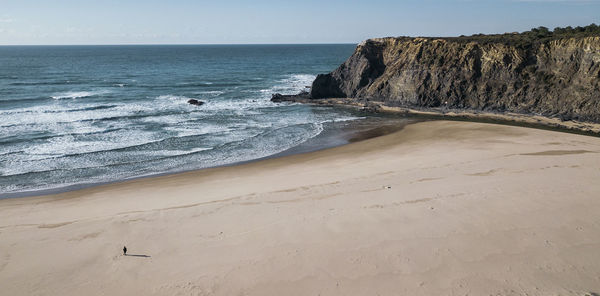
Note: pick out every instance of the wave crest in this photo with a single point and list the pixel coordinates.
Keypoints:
(78, 94)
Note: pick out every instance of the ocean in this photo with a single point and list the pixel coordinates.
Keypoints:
(71, 116)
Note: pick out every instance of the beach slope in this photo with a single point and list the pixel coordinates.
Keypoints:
(438, 208)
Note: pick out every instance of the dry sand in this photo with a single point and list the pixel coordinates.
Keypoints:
(439, 208)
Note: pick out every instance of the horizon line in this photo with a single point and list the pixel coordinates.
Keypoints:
(185, 44)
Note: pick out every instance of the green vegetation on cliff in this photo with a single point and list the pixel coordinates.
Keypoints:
(532, 37)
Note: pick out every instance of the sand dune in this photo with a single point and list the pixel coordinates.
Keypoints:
(439, 208)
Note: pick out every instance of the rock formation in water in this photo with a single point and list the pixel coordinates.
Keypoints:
(278, 98)
(554, 74)
(195, 102)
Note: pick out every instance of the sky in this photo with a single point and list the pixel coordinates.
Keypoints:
(28, 22)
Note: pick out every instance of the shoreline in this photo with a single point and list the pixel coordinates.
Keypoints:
(437, 208)
(358, 130)
(509, 118)
(376, 111)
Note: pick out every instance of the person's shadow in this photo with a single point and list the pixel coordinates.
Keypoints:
(136, 255)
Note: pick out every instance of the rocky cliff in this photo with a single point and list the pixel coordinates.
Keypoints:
(556, 77)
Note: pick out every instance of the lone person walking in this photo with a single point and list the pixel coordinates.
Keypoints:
(124, 250)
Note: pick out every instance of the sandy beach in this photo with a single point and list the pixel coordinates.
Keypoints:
(438, 208)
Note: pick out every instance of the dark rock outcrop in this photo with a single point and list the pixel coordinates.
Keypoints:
(278, 98)
(555, 78)
(195, 102)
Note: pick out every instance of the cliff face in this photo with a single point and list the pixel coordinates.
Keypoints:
(554, 78)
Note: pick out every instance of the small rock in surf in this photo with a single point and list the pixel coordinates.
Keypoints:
(195, 102)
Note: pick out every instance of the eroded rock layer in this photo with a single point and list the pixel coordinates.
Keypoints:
(554, 78)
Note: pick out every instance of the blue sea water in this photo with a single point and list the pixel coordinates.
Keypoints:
(74, 115)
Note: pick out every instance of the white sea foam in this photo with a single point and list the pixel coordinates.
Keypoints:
(78, 94)
(212, 92)
(69, 113)
(236, 105)
(40, 116)
(342, 119)
(268, 143)
(173, 97)
(182, 152)
(193, 129)
(292, 84)
(88, 161)
(69, 144)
